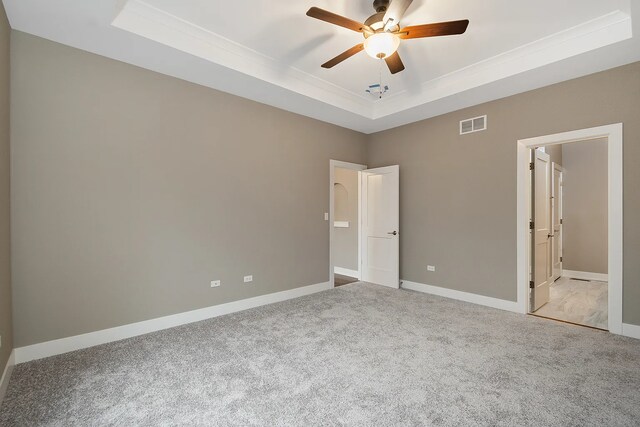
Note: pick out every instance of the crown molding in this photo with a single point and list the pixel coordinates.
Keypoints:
(147, 21)
(142, 19)
(605, 30)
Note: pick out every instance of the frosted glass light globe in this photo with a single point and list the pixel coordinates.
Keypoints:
(381, 45)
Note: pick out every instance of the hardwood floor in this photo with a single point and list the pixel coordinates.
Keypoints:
(340, 280)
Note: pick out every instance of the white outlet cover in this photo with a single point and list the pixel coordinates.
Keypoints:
(215, 283)
(431, 268)
(248, 279)
(326, 216)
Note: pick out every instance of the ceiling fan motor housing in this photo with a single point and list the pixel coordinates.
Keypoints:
(376, 23)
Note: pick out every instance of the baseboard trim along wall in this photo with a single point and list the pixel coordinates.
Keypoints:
(6, 376)
(463, 296)
(346, 272)
(631, 331)
(78, 342)
(585, 275)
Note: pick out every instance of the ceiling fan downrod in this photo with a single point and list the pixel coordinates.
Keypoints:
(380, 5)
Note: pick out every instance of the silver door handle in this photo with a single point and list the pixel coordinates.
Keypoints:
(395, 233)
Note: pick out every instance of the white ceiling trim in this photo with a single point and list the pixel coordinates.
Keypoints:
(140, 18)
(155, 24)
(600, 32)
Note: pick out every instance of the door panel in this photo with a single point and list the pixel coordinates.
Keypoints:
(556, 202)
(380, 226)
(541, 236)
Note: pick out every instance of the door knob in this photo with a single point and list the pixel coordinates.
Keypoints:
(395, 233)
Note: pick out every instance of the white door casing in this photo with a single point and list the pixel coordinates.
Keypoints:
(380, 224)
(556, 212)
(542, 229)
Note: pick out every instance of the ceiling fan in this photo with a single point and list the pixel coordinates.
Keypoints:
(382, 32)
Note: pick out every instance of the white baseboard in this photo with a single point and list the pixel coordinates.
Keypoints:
(6, 376)
(632, 331)
(585, 275)
(463, 296)
(65, 345)
(346, 272)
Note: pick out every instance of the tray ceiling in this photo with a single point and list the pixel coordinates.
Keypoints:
(271, 52)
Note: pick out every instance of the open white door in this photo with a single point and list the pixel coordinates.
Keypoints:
(380, 236)
(556, 202)
(542, 227)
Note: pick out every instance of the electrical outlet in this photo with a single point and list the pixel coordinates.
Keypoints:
(248, 279)
(215, 283)
(431, 268)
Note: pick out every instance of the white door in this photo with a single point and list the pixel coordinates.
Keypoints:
(380, 231)
(556, 205)
(542, 227)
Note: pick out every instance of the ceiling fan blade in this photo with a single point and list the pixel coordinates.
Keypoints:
(394, 63)
(332, 18)
(395, 12)
(344, 55)
(434, 30)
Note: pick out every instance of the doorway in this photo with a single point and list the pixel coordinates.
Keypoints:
(344, 222)
(547, 285)
(569, 258)
(364, 217)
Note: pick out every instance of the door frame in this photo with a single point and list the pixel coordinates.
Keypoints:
(614, 135)
(333, 164)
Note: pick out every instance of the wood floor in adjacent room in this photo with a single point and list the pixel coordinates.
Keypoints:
(357, 355)
(341, 280)
(578, 301)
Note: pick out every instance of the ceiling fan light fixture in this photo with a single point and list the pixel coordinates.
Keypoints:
(381, 45)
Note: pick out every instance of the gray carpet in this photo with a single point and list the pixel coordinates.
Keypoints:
(357, 355)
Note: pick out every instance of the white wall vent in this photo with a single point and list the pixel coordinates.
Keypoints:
(475, 124)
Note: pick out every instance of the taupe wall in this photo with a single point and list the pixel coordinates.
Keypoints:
(133, 190)
(555, 153)
(5, 245)
(345, 240)
(585, 206)
(458, 193)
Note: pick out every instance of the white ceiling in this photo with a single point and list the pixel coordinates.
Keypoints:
(271, 51)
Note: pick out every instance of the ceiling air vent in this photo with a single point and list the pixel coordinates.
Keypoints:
(473, 125)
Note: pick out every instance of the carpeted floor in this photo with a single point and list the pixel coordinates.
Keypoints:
(356, 355)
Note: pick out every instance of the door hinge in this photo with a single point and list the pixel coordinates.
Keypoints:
(531, 225)
(531, 166)
(560, 221)
(531, 285)
(560, 259)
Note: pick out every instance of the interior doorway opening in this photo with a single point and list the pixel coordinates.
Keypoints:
(530, 283)
(364, 224)
(344, 222)
(569, 253)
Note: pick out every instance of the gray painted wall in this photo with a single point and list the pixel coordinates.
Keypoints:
(345, 240)
(6, 329)
(585, 206)
(458, 193)
(133, 190)
(555, 153)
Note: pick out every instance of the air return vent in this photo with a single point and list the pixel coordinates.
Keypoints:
(475, 124)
